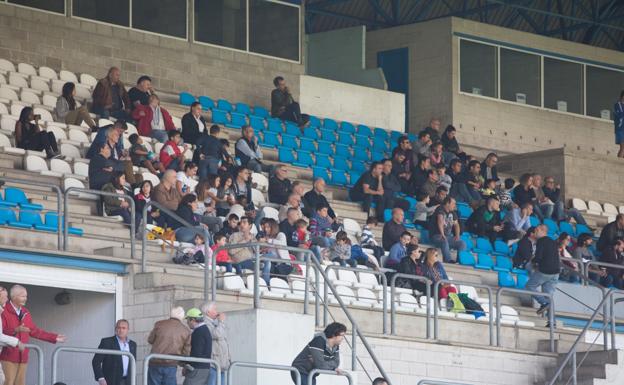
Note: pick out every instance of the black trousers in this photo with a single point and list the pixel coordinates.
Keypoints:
(43, 141)
(293, 114)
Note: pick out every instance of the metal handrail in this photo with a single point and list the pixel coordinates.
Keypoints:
(131, 359)
(551, 313)
(384, 283)
(103, 194)
(436, 382)
(427, 282)
(262, 366)
(59, 199)
(40, 364)
(436, 319)
(580, 264)
(179, 358)
(210, 275)
(315, 372)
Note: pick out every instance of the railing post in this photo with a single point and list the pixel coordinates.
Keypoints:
(353, 345)
(181, 359)
(210, 271)
(393, 305)
(241, 364)
(131, 359)
(436, 303)
(144, 238)
(612, 317)
(40, 363)
(316, 372)
(325, 296)
(306, 295)
(574, 368)
(256, 288)
(317, 297)
(384, 284)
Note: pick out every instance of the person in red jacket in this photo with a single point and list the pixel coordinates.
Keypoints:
(17, 322)
(153, 120)
(170, 155)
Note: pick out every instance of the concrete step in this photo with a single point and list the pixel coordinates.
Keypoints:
(584, 372)
(564, 343)
(595, 357)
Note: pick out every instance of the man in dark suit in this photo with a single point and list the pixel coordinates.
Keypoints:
(115, 370)
(193, 124)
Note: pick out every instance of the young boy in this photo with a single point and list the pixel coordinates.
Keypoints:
(504, 195)
(367, 239)
(444, 179)
(489, 189)
(229, 227)
(423, 211)
(223, 258)
(301, 233)
(170, 155)
(143, 158)
(340, 251)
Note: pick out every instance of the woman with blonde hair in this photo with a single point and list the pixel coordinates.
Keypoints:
(434, 270)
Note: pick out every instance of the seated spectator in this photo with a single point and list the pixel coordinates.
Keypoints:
(171, 156)
(614, 254)
(323, 353)
(467, 184)
(302, 233)
(208, 152)
(120, 160)
(68, 111)
(423, 210)
(110, 97)
(404, 146)
(433, 129)
(153, 120)
(139, 95)
(368, 241)
(489, 189)
(444, 180)
(193, 124)
(610, 233)
(412, 265)
(293, 202)
(141, 157)
(225, 196)
(450, 145)
(440, 195)
(393, 229)
(102, 137)
(526, 247)
(485, 221)
(524, 193)
(244, 257)
(322, 227)
(431, 184)
(517, 221)
(185, 179)
(433, 269)
(279, 185)
(546, 206)
(570, 271)
(166, 193)
(141, 199)
(186, 211)
(369, 189)
(340, 251)
(230, 226)
(195, 254)
(392, 187)
(283, 105)
(505, 194)
(436, 157)
(553, 192)
(116, 205)
(274, 236)
(488, 167)
(31, 136)
(583, 253)
(444, 229)
(420, 173)
(400, 169)
(241, 187)
(228, 165)
(248, 151)
(288, 227)
(422, 146)
(206, 193)
(398, 251)
(313, 198)
(100, 168)
(222, 256)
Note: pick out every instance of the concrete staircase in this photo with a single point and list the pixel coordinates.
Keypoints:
(593, 368)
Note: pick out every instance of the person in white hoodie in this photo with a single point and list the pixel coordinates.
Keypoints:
(6, 340)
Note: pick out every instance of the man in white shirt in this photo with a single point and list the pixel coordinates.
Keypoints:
(115, 370)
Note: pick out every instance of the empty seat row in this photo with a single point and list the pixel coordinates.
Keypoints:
(47, 73)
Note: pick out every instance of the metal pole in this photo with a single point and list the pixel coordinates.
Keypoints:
(384, 284)
(612, 317)
(325, 296)
(241, 364)
(316, 372)
(574, 368)
(353, 345)
(256, 289)
(182, 359)
(306, 296)
(393, 299)
(60, 240)
(144, 239)
(436, 288)
(393, 305)
(40, 364)
(491, 317)
(428, 303)
(317, 297)
(209, 271)
(58, 350)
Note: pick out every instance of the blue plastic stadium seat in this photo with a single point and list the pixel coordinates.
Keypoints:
(380, 144)
(243, 108)
(376, 156)
(347, 127)
(322, 160)
(33, 219)
(261, 111)
(394, 137)
(328, 135)
(238, 120)
(340, 163)
(483, 245)
(354, 175)
(206, 102)
(17, 196)
(361, 153)
(466, 258)
(470, 245)
(4, 203)
(257, 122)
(464, 211)
(387, 215)
(358, 165)
(362, 141)
(412, 202)
(412, 137)
(270, 139)
(307, 144)
(484, 262)
(506, 279)
(274, 125)
(338, 177)
(503, 263)
(330, 124)
(285, 155)
(320, 172)
(343, 150)
(304, 159)
(310, 132)
(186, 99)
(566, 227)
(552, 226)
(325, 147)
(501, 248)
(224, 105)
(314, 122)
(345, 138)
(7, 216)
(220, 116)
(292, 129)
(522, 280)
(424, 236)
(381, 133)
(580, 229)
(289, 141)
(51, 220)
(364, 130)
(534, 221)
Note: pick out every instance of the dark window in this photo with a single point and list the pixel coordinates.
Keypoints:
(47, 5)
(563, 85)
(478, 67)
(167, 17)
(221, 22)
(520, 77)
(603, 91)
(108, 11)
(274, 29)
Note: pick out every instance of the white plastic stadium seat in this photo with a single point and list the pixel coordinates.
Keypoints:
(610, 209)
(261, 181)
(68, 76)
(58, 132)
(47, 72)
(407, 302)
(70, 151)
(76, 135)
(82, 169)
(234, 282)
(40, 84)
(72, 182)
(257, 197)
(57, 86)
(621, 209)
(177, 122)
(46, 116)
(3, 109)
(8, 93)
(104, 122)
(6, 65)
(48, 100)
(366, 296)
(2, 79)
(131, 129)
(279, 286)
(352, 227)
(29, 97)
(7, 123)
(88, 80)
(82, 92)
(594, 207)
(36, 163)
(60, 166)
(262, 286)
(16, 108)
(26, 69)
(148, 176)
(579, 204)
(270, 212)
(16, 80)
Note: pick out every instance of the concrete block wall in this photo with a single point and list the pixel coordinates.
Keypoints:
(81, 46)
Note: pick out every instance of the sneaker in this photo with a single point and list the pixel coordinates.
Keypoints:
(548, 325)
(542, 310)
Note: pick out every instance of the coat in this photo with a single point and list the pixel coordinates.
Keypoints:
(103, 97)
(144, 123)
(6, 340)
(190, 128)
(111, 367)
(220, 348)
(169, 336)
(10, 320)
(164, 156)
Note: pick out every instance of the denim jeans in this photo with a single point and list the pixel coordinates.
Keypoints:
(463, 193)
(161, 375)
(160, 135)
(212, 380)
(548, 283)
(547, 210)
(447, 244)
(265, 268)
(208, 166)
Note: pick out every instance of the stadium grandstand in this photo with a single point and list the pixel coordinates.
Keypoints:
(251, 192)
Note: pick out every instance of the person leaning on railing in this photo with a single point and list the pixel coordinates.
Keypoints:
(323, 353)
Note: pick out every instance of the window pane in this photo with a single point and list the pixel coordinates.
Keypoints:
(603, 90)
(46, 5)
(108, 11)
(520, 77)
(167, 18)
(221, 22)
(478, 69)
(563, 85)
(274, 29)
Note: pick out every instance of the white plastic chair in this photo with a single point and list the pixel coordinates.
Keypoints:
(131, 129)
(88, 80)
(60, 166)
(81, 169)
(366, 295)
(17, 80)
(594, 207)
(8, 93)
(234, 282)
(408, 301)
(48, 100)
(47, 72)
(349, 277)
(177, 122)
(58, 132)
(270, 212)
(2, 79)
(40, 84)
(151, 177)
(261, 181)
(29, 97)
(104, 122)
(279, 286)
(7, 123)
(71, 151)
(3, 109)
(76, 135)
(6, 65)
(352, 227)
(610, 209)
(16, 108)
(82, 92)
(57, 86)
(68, 76)
(345, 293)
(72, 182)
(26, 69)
(257, 197)
(36, 163)
(46, 116)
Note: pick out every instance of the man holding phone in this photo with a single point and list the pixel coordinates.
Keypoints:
(283, 105)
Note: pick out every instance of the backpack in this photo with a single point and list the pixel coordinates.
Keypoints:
(471, 306)
(457, 305)
(358, 254)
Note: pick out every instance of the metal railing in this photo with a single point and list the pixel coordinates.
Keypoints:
(59, 202)
(131, 359)
(436, 291)
(316, 372)
(393, 310)
(436, 382)
(101, 194)
(242, 364)
(179, 358)
(40, 363)
(210, 275)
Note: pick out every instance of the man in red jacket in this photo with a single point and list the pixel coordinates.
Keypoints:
(17, 322)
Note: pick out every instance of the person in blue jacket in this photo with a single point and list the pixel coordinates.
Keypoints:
(618, 121)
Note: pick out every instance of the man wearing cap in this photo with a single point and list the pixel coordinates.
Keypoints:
(169, 336)
(115, 370)
(197, 373)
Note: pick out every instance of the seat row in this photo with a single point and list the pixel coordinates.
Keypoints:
(47, 73)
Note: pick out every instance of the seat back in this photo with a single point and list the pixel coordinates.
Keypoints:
(36, 163)
(32, 218)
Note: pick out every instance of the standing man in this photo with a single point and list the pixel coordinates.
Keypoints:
(17, 322)
(197, 373)
(115, 370)
(283, 105)
(393, 229)
(172, 337)
(220, 349)
(618, 122)
(545, 274)
(6, 340)
(323, 352)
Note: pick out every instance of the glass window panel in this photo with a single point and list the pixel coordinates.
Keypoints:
(274, 29)
(107, 11)
(47, 5)
(520, 77)
(603, 90)
(168, 17)
(221, 22)
(563, 85)
(478, 69)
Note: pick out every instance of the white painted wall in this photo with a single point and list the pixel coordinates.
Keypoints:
(353, 103)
